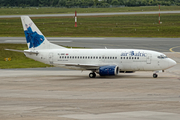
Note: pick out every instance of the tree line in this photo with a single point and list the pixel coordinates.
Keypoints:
(85, 3)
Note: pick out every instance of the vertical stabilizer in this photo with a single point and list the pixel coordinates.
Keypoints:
(34, 38)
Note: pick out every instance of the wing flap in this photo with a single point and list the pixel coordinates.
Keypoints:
(83, 66)
(77, 65)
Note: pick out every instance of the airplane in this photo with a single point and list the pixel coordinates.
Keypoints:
(105, 62)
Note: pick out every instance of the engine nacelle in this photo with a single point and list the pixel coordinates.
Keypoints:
(108, 70)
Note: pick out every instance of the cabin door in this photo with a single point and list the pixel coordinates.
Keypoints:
(51, 58)
(148, 59)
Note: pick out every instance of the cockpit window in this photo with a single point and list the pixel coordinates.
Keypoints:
(162, 56)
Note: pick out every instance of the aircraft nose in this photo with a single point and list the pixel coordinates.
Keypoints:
(172, 63)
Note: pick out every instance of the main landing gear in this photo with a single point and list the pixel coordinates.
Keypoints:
(92, 75)
(155, 75)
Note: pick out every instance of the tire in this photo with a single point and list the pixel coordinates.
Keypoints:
(92, 75)
(155, 75)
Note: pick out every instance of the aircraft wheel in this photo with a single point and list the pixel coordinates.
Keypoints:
(155, 75)
(92, 75)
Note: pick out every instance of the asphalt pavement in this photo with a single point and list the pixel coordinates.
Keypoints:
(91, 14)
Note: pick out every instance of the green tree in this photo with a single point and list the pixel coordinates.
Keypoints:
(109, 1)
(105, 5)
(121, 2)
(95, 2)
(69, 4)
(114, 2)
(143, 2)
(62, 3)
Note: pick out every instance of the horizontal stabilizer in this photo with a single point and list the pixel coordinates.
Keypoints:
(15, 50)
(24, 51)
(31, 52)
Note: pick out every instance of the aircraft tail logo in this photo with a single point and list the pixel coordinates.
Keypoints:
(35, 39)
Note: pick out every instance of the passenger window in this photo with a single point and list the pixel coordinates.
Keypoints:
(59, 56)
(126, 57)
(99, 57)
(132, 57)
(67, 56)
(129, 57)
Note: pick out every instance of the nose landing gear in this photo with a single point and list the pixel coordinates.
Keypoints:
(155, 75)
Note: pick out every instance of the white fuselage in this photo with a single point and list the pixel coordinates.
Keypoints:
(126, 59)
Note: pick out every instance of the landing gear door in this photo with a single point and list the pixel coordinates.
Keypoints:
(148, 59)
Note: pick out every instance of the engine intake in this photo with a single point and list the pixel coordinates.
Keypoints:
(108, 70)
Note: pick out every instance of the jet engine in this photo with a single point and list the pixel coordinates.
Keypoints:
(108, 70)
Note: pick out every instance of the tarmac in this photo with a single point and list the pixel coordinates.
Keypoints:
(71, 95)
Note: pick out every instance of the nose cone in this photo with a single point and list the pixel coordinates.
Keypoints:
(172, 63)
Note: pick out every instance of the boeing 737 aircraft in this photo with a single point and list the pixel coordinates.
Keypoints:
(104, 62)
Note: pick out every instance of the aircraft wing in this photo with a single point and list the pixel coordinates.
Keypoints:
(80, 65)
(83, 66)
